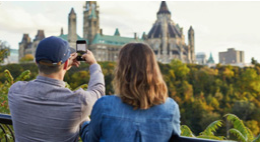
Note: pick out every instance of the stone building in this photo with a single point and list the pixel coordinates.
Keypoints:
(231, 56)
(72, 35)
(104, 47)
(167, 40)
(201, 58)
(26, 46)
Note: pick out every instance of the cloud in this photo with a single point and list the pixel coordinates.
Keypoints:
(19, 20)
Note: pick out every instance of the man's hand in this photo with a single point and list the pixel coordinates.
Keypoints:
(89, 58)
(73, 60)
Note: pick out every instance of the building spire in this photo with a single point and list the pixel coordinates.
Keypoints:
(211, 60)
(72, 11)
(163, 9)
(93, 12)
(61, 31)
(117, 32)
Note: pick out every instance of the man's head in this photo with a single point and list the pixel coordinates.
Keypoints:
(51, 54)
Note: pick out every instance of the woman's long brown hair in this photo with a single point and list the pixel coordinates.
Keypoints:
(138, 80)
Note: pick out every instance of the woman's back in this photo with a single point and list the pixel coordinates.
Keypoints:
(113, 120)
(143, 112)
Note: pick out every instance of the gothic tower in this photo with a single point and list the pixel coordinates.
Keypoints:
(72, 28)
(91, 21)
(164, 15)
(191, 44)
(166, 38)
(23, 45)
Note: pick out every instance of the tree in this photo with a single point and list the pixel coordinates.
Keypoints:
(253, 61)
(180, 69)
(4, 50)
(27, 58)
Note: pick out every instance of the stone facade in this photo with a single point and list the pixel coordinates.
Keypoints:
(91, 21)
(201, 58)
(232, 56)
(26, 46)
(167, 40)
(72, 29)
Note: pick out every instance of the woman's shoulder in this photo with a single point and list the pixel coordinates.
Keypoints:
(108, 99)
(171, 102)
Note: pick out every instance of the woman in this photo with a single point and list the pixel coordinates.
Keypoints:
(141, 109)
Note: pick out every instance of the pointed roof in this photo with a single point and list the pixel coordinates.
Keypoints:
(39, 36)
(211, 60)
(93, 13)
(156, 31)
(144, 35)
(72, 11)
(191, 29)
(163, 8)
(117, 32)
(61, 31)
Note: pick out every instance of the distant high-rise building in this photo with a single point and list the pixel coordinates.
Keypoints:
(231, 56)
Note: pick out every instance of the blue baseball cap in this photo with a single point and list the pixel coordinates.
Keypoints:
(53, 49)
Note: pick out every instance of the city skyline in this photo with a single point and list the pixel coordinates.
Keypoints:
(218, 25)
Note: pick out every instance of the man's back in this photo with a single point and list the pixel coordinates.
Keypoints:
(44, 110)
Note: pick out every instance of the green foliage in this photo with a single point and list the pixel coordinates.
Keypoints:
(185, 131)
(4, 50)
(242, 132)
(180, 69)
(209, 131)
(204, 94)
(84, 86)
(4, 88)
(257, 139)
(27, 58)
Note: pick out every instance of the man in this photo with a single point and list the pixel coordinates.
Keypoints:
(43, 109)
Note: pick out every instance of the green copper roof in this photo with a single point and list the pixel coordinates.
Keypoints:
(117, 32)
(113, 40)
(211, 60)
(65, 37)
(93, 14)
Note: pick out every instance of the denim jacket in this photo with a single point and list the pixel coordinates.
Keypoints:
(115, 121)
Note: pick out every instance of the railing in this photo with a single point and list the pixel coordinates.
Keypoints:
(7, 121)
(176, 138)
(5, 127)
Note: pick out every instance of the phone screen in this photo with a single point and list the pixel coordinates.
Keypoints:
(81, 49)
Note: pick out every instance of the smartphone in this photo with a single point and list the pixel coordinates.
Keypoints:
(81, 49)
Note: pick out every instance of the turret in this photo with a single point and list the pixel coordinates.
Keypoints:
(72, 29)
(163, 10)
(91, 21)
(117, 32)
(191, 44)
(61, 31)
(39, 36)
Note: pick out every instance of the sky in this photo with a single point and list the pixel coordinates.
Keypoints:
(218, 25)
